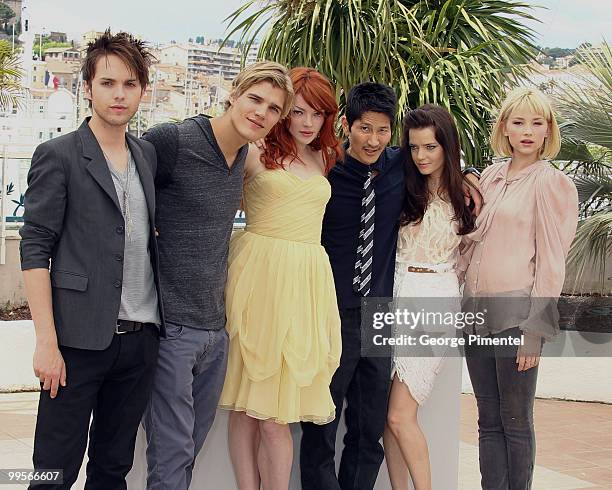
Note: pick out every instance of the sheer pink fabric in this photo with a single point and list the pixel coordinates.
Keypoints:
(522, 236)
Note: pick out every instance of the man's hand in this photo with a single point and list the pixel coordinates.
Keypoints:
(48, 363)
(49, 367)
(471, 192)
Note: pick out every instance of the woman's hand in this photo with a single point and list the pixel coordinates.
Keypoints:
(528, 355)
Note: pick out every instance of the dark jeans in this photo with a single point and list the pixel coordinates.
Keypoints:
(505, 398)
(114, 384)
(364, 382)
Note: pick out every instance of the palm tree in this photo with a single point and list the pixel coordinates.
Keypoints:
(460, 54)
(587, 131)
(11, 89)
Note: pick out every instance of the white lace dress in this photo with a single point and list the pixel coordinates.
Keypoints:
(431, 244)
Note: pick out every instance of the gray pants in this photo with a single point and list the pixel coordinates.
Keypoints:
(187, 386)
(505, 398)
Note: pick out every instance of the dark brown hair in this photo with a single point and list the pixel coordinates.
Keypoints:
(133, 52)
(451, 182)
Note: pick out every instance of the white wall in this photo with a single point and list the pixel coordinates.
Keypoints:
(571, 378)
(575, 378)
(439, 418)
(174, 55)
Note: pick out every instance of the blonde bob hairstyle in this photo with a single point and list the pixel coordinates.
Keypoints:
(264, 71)
(533, 100)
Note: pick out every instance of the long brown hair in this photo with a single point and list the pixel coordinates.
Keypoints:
(318, 93)
(451, 183)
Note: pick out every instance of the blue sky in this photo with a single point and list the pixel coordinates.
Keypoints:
(565, 23)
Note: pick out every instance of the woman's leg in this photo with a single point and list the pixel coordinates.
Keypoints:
(243, 438)
(396, 466)
(403, 427)
(275, 455)
(517, 395)
(493, 455)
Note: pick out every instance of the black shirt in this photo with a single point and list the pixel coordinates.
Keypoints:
(342, 223)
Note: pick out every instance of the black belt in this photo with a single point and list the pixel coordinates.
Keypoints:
(128, 326)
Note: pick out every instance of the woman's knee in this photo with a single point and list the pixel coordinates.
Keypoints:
(517, 416)
(489, 413)
(272, 431)
(240, 421)
(399, 422)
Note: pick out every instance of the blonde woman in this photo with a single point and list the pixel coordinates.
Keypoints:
(516, 255)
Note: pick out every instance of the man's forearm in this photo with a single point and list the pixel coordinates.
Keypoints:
(38, 290)
(471, 171)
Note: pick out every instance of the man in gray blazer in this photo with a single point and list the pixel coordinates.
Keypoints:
(90, 263)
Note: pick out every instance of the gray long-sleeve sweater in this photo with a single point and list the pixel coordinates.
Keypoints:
(197, 198)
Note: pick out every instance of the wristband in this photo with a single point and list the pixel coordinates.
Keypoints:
(471, 170)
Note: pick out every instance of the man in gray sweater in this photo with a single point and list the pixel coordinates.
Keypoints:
(199, 187)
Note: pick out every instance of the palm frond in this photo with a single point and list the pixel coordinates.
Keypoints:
(586, 110)
(11, 89)
(591, 247)
(590, 186)
(461, 54)
(588, 105)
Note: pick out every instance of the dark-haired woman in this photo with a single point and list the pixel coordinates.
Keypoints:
(433, 219)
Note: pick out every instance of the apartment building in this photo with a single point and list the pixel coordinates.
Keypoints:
(209, 60)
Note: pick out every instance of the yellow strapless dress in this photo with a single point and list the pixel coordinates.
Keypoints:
(282, 315)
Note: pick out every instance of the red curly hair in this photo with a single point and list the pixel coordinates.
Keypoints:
(318, 93)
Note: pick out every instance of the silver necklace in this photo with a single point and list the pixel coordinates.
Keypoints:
(125, 187)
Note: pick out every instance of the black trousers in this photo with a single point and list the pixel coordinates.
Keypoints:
(364, 382)
(115, 385)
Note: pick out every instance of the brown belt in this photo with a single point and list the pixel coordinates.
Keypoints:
(412, 268)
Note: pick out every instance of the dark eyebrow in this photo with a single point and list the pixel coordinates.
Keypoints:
(113, 80)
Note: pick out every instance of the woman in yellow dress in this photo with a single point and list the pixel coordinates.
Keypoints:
(282, 316)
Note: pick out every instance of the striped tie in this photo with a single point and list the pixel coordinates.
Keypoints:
(363, 265)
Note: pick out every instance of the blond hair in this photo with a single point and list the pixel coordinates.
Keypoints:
(533, 100)
(264, 71)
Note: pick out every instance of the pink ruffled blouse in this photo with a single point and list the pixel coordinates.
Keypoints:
(520, 243)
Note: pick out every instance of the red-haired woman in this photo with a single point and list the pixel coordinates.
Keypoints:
(282, 316)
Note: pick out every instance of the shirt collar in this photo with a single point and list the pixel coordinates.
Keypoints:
(503, 172)
(362, 168)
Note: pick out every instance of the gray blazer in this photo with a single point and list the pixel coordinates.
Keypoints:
(72, 219)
